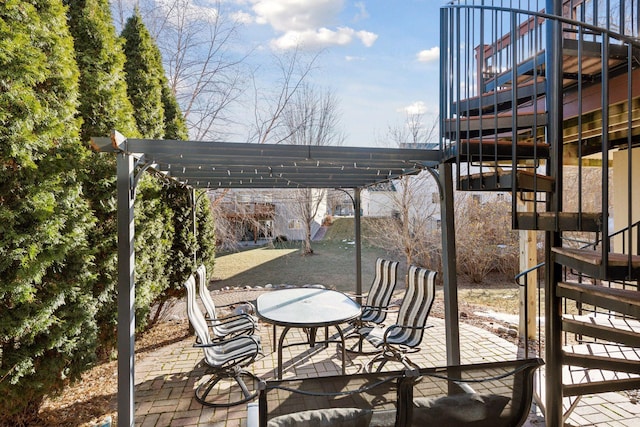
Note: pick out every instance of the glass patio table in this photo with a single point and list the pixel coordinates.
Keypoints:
(308, 308)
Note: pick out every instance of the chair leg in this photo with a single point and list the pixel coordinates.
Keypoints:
(390, 355)
(380, 358)
(358, 347)
(239, 378)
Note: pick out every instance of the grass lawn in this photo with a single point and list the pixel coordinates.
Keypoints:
(332, 264)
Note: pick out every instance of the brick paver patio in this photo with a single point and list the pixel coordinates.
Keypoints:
(166, 379)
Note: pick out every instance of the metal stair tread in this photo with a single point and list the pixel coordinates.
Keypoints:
(625, 324)
(500, 100)
(504, 121)
(609, 351)
(601, 355)
(609, 328)
(501, 179)
(595, 257)
(626, 296)
(565, 221)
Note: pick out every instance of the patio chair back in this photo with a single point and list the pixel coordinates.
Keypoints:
(204, 293)
(415, 307)
(384, 283)
(214, 355)
(196, 318)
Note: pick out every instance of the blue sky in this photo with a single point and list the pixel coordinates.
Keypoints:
(380, 57)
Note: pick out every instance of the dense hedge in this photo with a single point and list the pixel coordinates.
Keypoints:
(62, 80)
(47, 327)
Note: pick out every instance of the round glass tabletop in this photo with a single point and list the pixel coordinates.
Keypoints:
(306, 307)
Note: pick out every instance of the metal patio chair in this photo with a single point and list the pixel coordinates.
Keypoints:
(403, 337)
(374, 308)
(223, 327)
(224, 359)
(376, 304)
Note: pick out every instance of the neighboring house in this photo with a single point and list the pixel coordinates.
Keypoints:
(379, 200)
(266, 214)
(249, 214)
(532, 102)
(289, 220)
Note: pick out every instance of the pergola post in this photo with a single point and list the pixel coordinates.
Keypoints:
(194, 218)
(358, 219)
(126, 288)
(450, 279)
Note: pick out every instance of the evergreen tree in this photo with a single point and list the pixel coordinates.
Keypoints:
(104, 106)
(175, 126)
(145, 77)
(206, 237)
(47, 331)
(153, 216)
(178, 198)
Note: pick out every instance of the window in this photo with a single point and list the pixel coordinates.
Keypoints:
(295, 224)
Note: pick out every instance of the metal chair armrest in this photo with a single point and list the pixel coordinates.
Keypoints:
(391, 327)
(251, 303)
(227, 319)
(256, 343)
(387, 308)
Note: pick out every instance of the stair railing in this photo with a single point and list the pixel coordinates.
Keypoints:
(505, 45)
(522, 280)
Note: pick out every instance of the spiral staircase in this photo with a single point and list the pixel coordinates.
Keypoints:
(546, 106)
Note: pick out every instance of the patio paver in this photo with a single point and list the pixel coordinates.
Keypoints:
(166, 378)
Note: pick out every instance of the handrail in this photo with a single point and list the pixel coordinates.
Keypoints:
(527, 271)
(526, 306)
(598, 30)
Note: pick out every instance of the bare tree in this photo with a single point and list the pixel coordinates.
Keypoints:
(307, 206)
(413, 232)
(312, 118)
(245, 215)
(200, 54)
(484, 239)
(270, 106)
(413, 131)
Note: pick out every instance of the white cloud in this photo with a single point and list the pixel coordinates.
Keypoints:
(322, 37)
(308, 23)
(242, 17)
(367, 38)
(429, 55)
(297, 15)
(362, 11)
(418, 107)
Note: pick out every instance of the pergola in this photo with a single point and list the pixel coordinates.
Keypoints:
(215, 165)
